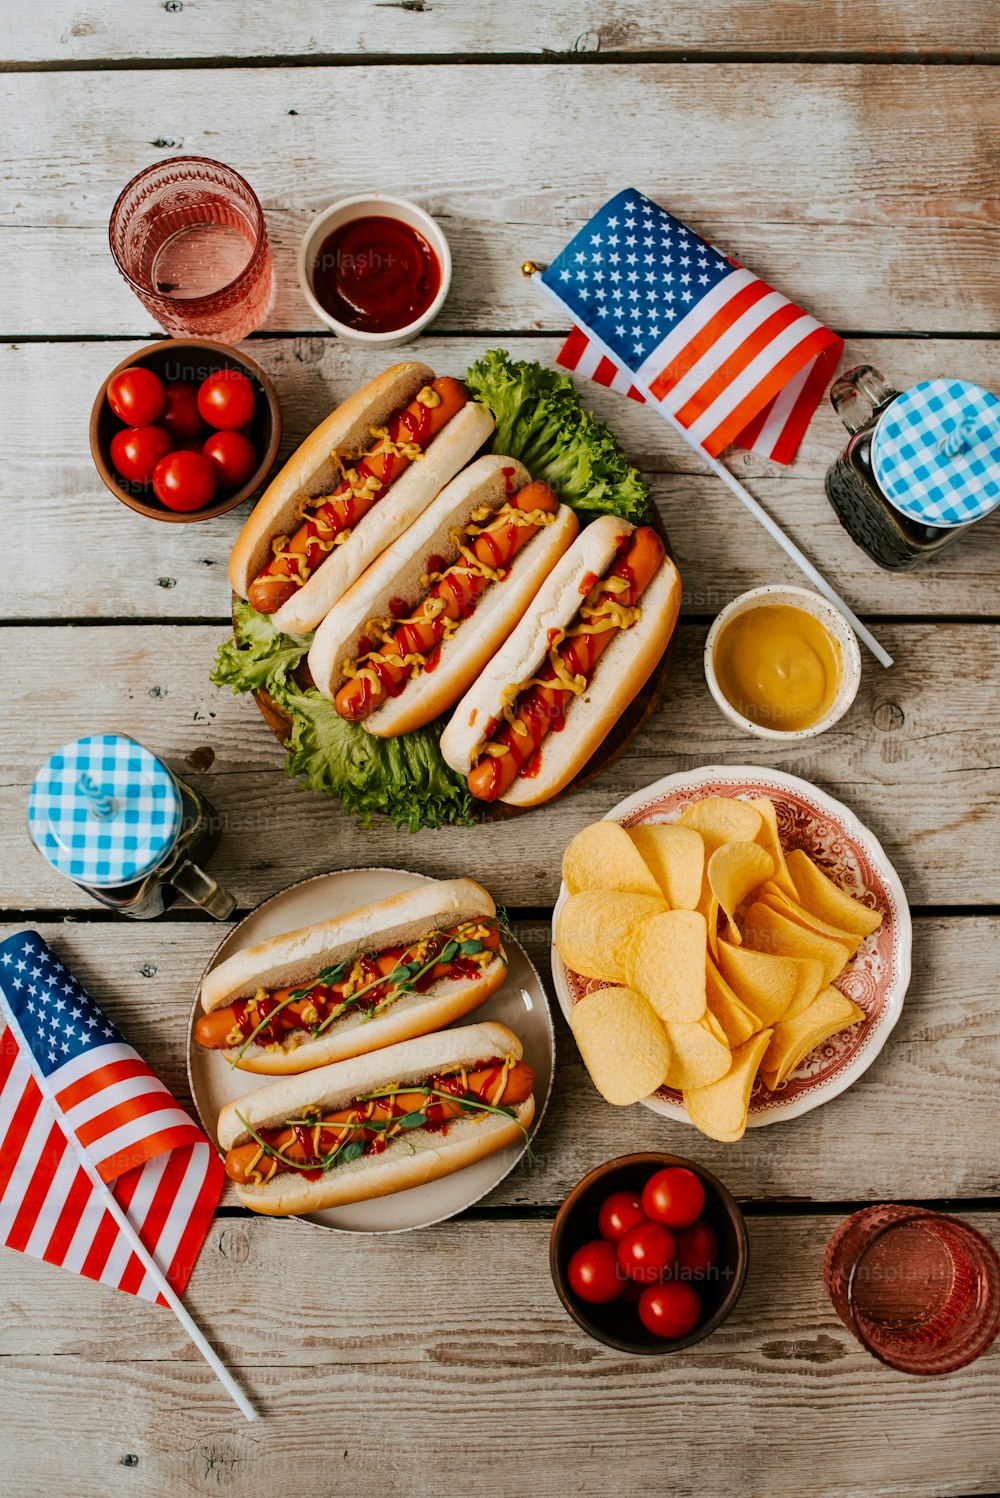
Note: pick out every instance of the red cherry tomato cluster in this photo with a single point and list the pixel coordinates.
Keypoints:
(652, 1244)
(164, 440)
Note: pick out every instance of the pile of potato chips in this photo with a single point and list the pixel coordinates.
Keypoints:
(721, 950)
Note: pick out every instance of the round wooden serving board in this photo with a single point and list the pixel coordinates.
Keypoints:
(624, 731)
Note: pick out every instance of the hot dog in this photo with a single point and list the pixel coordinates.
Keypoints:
(578, 658)
(355, 484)
(376, 1124)
(352, 984)
(416, 630)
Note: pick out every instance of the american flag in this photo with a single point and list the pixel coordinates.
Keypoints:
(662, 316)
(72, 1090)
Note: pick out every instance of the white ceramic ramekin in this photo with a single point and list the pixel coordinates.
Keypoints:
(833, 622)
(369, 205)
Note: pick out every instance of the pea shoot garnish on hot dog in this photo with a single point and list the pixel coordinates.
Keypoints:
(379, 1123)
(349, 985)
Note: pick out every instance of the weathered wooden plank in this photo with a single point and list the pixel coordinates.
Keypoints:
(866, 193)
(101, 560)
(363, 1391)
(70, 30)
(926, 782)
(927, 1111)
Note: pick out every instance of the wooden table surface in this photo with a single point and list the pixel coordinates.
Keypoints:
(845, 152)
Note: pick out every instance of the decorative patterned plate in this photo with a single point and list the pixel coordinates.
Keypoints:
(520, 1003)
(879, 974)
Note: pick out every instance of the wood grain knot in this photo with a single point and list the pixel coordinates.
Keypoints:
(819, 1349)
(220, 1462)
(234, 1245)
(889, 716)
(200, 758)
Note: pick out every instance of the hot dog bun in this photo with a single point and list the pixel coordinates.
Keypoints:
(297, 956)
(397, 574)
(619, 674)
(410, 1159)
(311, 471)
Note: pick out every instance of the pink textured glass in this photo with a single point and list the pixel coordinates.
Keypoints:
(919, 1290)
(188, 235)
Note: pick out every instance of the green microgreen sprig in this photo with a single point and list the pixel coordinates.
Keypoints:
(401, 979)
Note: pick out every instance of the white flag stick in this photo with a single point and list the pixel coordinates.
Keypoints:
(744, 496)
(139, 1248)
(153, 1269)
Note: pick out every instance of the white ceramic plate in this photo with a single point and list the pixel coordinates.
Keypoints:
(520, 1004)
(877, 977)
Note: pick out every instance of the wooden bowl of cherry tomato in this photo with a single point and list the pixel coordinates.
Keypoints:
(185, 429)
(649, 1253)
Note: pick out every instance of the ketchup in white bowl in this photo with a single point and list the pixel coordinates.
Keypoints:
(375, 269)
(376, 274)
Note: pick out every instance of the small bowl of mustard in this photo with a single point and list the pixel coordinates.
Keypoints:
(782, 663)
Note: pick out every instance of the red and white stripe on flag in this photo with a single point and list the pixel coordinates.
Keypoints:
(160, 1167)
(745, 367)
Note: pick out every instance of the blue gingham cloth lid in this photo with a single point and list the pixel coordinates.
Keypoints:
(103, 810)
(936, 453)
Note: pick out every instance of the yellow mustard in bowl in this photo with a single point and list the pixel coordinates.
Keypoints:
(778, 666)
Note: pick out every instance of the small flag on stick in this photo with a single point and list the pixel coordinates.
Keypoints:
(101, 1171)
(665, 318)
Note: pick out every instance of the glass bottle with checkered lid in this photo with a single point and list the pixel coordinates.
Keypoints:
(116, 820)
(921, 466)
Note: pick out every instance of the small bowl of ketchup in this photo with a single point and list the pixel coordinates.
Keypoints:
(375, 268)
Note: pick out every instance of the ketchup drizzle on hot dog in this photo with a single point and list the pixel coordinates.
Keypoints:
(364, 1120)
(415, 644)
(371, 968)
(541, 709)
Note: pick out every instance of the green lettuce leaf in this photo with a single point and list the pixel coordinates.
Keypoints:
(404, 778)
(258, 655)
(539, 419)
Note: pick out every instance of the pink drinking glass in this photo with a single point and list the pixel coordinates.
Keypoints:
(189, 237)
(919, 1290)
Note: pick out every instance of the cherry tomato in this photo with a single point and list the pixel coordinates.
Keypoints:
(697, 1249)
(619, 1212)
(181, 416)
(136, 451)
(136, 396)
(674, 1196)
(233, 455)
(184, 481)
(226, 400)
(645, 1252)
(669, 1310)
(593, 1273)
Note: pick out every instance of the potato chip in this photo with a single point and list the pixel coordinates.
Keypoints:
(771, 896)
(666, 960)
(720, 1109)
(697, 1057)
(793, 1039)
(623, 1045)
(594, 927)
(763, 983)
(711, 1024)
(769, 839)
(810, 971)
(675, 856)
(603, 856)
(734, 871)
(818, 894)
(766, 931)
(722, 819)
(733, 1016)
